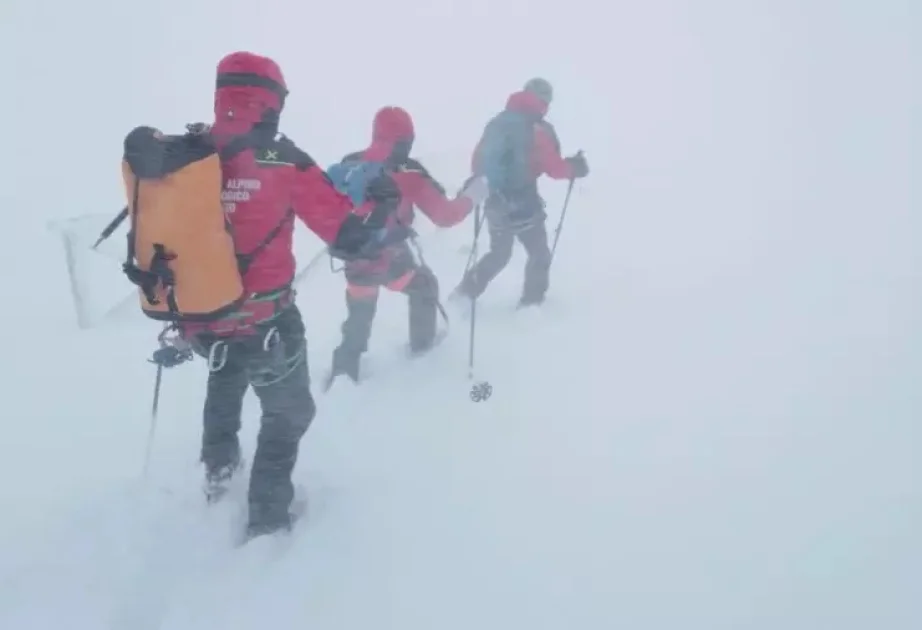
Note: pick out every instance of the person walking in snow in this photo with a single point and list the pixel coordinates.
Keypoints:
(267, 182)
(517, 147)
(396, 268)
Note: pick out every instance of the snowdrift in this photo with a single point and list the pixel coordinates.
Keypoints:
(713, 423)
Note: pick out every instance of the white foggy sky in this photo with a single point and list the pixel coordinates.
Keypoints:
(750, 236)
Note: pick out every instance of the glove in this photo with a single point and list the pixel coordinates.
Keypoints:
(352, 237)
(171, 356)
(578, 165)
(476, 188)
(197, 129)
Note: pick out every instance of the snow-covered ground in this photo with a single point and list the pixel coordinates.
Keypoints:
(714, 423)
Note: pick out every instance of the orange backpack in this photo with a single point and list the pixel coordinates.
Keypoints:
(180, 251)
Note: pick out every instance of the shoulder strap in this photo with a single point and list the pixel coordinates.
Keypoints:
(291, 152)
(415, 166)
(245, 260)
(301, 160)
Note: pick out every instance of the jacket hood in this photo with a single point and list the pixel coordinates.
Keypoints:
(250, 90)
(392, 135)
(527, 102)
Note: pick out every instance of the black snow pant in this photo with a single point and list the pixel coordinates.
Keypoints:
(274, 362)
(399, 271)
(525, 221)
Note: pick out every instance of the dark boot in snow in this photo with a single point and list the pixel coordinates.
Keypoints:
(356, 332)
(265, 523)
(460, 302)
(218, 480)
(527, 301)
(222, 420)
(460, 298)
(423, 296)
(346, 361)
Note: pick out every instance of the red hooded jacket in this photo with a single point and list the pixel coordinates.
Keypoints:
(268, 180)
(391, 139)
(545, 156)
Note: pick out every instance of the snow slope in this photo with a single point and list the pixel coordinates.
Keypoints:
(714, 423)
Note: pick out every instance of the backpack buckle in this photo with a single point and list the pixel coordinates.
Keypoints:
(159, 273)
(146, 281)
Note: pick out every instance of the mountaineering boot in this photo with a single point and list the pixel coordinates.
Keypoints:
(423, 296)
(346, 361)
(440, 336)
(267, 523)
(460, 300)
(356, 331)
(459, 296)
(218, 481)
(223, 407)
(530, 300)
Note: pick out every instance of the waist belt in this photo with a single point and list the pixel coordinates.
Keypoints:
(258, 308)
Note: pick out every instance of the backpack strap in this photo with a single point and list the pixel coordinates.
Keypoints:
(415, 166)
(289, 153)
(292, 153)
(245, 260)
(158, 272)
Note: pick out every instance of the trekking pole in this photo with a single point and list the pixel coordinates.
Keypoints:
(563, 214)
(478, 222)
(473, 257)
(153, 419)
(172, 352)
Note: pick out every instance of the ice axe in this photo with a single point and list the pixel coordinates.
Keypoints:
(113, 225)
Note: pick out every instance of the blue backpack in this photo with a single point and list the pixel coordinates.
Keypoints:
(504, 153)
(352, 176)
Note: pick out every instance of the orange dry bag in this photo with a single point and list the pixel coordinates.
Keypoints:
(180, 252)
